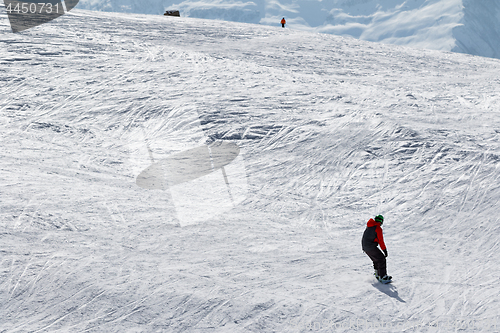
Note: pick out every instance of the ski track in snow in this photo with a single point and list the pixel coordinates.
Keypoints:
(334, 131)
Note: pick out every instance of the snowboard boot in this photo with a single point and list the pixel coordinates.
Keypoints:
(376, 274)
(385, 279)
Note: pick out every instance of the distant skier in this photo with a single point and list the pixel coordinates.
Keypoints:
(372, 237)
(283, 22)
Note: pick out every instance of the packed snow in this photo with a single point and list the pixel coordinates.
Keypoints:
(330, 132)
(465, 26)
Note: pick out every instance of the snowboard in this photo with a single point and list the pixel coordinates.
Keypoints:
(383, 282)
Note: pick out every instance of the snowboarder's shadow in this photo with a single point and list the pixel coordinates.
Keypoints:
(389, 290)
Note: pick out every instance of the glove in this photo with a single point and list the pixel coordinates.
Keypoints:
(385, 253)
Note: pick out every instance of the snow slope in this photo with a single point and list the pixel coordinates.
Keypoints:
(466, 26)
(419, 23)
(332, 131)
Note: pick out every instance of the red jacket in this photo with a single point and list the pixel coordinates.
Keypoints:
(283, 21)
(374, 238)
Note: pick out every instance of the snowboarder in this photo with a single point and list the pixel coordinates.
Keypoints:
(283, 22)
(373, 237)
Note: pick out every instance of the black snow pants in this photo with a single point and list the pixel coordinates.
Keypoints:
(378, 259)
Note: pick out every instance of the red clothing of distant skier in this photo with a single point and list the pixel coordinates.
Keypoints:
(378, 237)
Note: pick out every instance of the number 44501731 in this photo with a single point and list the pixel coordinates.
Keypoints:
(33, 8)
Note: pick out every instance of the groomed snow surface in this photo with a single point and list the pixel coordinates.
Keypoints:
(331, 132)
(465, 26)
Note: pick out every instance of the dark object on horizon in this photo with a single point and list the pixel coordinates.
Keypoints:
(172, 13)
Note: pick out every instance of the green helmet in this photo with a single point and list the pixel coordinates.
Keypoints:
(379, 219)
